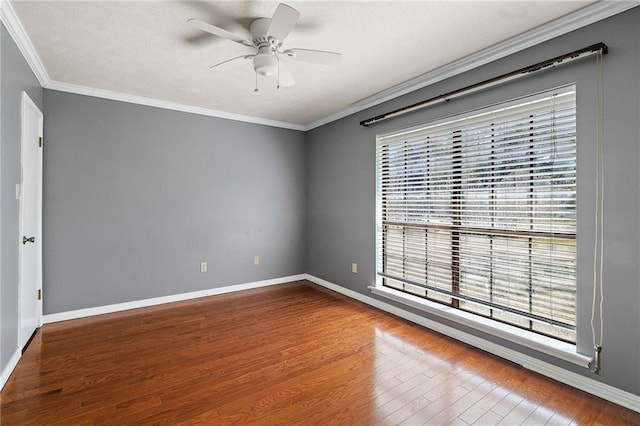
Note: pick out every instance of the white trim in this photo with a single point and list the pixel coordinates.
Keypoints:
(581, 18)
(27, 103)
(588, 15)
(19, 35)
(538, 342)
(141, 100)
(99, 310)
(601, 390)
(11, 365)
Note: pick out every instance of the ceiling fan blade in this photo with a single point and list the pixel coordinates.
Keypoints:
(231, 63)
(283, 21)
(285, 79)
(314, 56)
(212, 29)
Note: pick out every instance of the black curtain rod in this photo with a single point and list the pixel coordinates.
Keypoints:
(568, 57)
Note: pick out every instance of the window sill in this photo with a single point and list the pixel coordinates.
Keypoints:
(547, 345)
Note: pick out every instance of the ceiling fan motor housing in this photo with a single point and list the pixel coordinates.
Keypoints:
(259, 28)
(265, 62)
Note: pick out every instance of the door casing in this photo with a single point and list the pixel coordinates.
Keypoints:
(30, 256)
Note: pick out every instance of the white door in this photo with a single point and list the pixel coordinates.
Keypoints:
(30, 305)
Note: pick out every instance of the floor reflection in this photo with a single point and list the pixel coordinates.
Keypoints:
(438, 382)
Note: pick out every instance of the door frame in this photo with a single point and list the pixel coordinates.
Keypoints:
(27, 103)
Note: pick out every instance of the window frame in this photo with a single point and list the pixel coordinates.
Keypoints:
(546, 344)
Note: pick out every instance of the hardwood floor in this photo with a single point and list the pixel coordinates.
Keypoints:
(287, 354)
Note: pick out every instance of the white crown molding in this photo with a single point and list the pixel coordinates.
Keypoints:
(157, 103)
(599, 389)
(583, 17)
(571, 22)
(107, 309)
(19, 35)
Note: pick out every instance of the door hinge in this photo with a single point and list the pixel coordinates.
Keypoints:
(39, 294)
(40, 142)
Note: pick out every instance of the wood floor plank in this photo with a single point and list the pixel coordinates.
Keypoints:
(489, 418)
(285, 354)
(482, 405)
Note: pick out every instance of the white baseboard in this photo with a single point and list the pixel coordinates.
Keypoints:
(601, 390)
(610, 393)
(11, 365)
(98, 310)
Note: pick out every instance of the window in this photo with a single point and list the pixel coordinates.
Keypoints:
(478, 212)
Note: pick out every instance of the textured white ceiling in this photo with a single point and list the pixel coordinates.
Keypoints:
(146, 49)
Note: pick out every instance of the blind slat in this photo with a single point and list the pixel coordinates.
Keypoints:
(479, 211)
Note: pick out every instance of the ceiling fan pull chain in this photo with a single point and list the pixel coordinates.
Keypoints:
(278, 57)
(256, 89)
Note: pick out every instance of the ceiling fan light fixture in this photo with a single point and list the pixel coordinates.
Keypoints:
(266, 64)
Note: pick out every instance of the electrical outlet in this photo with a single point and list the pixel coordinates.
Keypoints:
(203, 267)
(256, 260)
(354, 268)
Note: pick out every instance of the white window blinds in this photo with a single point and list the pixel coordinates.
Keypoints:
(479, 212)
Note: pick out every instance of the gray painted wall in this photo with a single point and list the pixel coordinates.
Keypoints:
(341, 184)
(15, 76)
(136, 197)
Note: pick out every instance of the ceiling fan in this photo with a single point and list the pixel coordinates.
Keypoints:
(267, 36)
